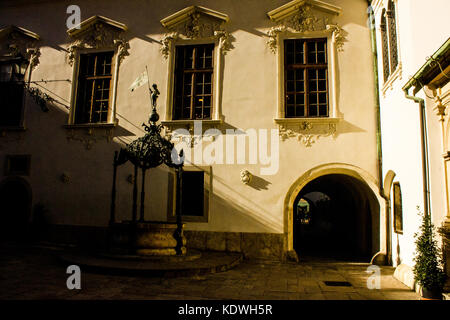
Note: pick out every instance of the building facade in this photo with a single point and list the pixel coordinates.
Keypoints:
(288, 121)
(412, 46)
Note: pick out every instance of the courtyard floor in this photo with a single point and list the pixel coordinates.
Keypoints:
(29, 273)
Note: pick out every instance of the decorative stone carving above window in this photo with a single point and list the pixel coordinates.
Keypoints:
(91, 134)
(194, 23)
(303, 16)
(307, 131)
(189, 131)
(17, 41)
(98, 32)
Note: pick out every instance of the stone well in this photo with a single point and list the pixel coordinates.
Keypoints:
(149, 238)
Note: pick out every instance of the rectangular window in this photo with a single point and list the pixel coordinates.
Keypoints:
(18, 165)
(193, 94)
(193, 193)
(11, 92)
(306, 78)
(94, 88)
(196, 186)
(398, 210)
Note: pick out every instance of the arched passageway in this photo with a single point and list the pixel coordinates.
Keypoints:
(15, 208)
(336, 216)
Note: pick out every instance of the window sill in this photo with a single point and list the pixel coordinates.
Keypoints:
(90, 125)
(295, 121)
(201, 219)
(397, 74)
(12, 128)
(189, 124)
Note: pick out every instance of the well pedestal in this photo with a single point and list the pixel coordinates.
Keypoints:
(149, 238)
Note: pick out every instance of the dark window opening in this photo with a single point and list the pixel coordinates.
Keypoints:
(193, 193)
(18, 165)
(306, 78)
(12, 73)
(193, 94)
(398, 209)
(94, 88)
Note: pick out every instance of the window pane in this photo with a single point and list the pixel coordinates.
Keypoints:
(323, 110)
(290, 74)
(299, 99)
(312, 52)
(312, 110)
(290, 110)
(300, 111)
(322, 85)
(290, 86)
(94, 82)
(299, 86)
(306, 76)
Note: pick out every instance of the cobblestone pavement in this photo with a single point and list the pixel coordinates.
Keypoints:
(38, 274)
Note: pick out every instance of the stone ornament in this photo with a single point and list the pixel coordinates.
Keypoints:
(16, 41)
(246, 176)
(194, 23)
(91, 136)
(97, 32)
(307, 132)
(65, 178)
(303, 16)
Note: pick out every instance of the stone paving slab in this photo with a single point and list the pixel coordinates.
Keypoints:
(28, 274)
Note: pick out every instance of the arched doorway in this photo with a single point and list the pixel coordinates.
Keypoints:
(341, 220)
(15, 203)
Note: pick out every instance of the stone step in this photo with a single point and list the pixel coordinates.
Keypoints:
(208, 262)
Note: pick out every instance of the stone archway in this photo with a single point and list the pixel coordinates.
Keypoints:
(362, 194)
(15, 203)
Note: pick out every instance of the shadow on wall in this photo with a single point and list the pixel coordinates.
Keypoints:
(258, 183)
(232, 203)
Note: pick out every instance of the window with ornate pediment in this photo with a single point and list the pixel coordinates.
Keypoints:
(384, 46)
(392, 24)
(391, 66)
(18, 56)
(306, 41)
(306, 84)
(194, 46)
(96, 50)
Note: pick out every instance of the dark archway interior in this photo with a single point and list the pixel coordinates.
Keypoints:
(341, 221)
(15, 204)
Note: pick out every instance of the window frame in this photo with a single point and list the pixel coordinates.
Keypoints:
(331, 75)
(207, 192)
(306, 66)
(385, 63)
(20, 125)
(397, 208)
(112, 120)
(216, 103)
(194, 71)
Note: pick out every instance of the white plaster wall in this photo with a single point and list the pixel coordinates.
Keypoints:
(249, 101)
(422, 28)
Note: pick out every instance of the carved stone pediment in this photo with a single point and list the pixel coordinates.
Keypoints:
(97, 32)
(307, 130)
(303, 16)
(196, 22)
(17, 41)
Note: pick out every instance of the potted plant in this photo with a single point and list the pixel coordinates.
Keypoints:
(428, 268)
